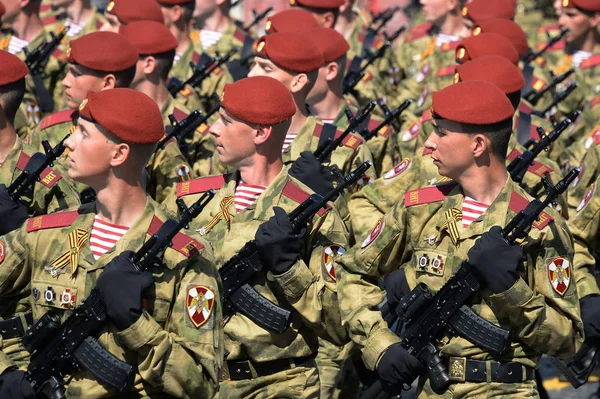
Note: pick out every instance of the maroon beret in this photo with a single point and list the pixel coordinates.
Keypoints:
(290, 51)
(173, 2)
(291, 20)
(506, 28)
(149, 37)
(486, 44)
(102, 51)
(478, 10)
(586, 5)
(323, 4)
(259, 99)
(332, 44)
(474, 102)
(128, 114)
(12, 68)
(494, 69)
(128, 11)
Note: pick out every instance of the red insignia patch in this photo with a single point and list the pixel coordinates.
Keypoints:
(398, 169)
(199, 304)
(363, 181)
(423, 73)
(559, 274)
(373, 234)
(594, 137)
(330, 254)
(2, 251)
(586, 198)
(411, 132)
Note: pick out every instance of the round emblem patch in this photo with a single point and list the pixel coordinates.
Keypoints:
(398, 169)
(363, 181)
(587, 197)
(581, 170)
(559, 274)
(330, 254)
(199, 304)
(411, 132)
(373, 234)
(2, 251)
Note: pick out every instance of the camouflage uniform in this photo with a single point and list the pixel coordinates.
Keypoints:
(543, 318)
(309, 287)
(174, 351)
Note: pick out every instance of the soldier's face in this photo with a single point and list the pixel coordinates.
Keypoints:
(234, 139)
(205, 8)
(434, 10)
(112, 23)
(320, 89)
(90, 153)
(13, 8)
(78, 82)
(265, 67)
(451, 152)
(578, 22)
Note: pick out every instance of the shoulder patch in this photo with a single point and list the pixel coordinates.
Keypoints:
(591, 62)
(593, 138)
(296, 194)
(330, 254)
(537, 168)
(203, 129)
(182, 243)
(50, 20)
(201, 184)
(427, 195)
(518, 203)
(586, 197)
(52, 221)
(56, 118)
(48, 177)
(45, 7)
(397, 170)
(595, 101)
(373, 234)
(449, 46)
(445, 71)
(412, 131)
(559, 274)
(199, 304)
(538, 84)
(418, 32)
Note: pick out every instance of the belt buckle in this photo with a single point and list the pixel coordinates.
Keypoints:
(457, 368)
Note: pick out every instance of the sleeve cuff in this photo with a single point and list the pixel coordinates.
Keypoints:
(585, 288)
(295, 281)
(140, 332)
(514, 297)
(376, 345)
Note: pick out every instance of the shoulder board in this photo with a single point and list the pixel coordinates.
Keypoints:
(538, 84)
(295, 193)
(239, 35)
(186, 91)
(56, 118)
(424, 27)
(537, 168)
(367, 77)
(51, 221)
(416, 34)
(195, 57)
(450, 46)
(195, 35)
(591, 62)
(518, 203)
(351, 140)
(383, 132)
(201, 184)
(181, 243)
(45, 7)
(446, 71)
(203, 129)
(560, 45)
(426, 116)
(595, 101)
(525, 108)
(60, 55)
(547, 28)
(48, 177)
(52, 19)
(427, 195)
(179, 114)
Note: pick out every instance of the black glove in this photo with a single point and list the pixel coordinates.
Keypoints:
(278, 245)
(495, 261)
(13, 385)
(590, 314)
(12, 214)
(311, 172)
(398, 367)
(121, 288)
(396, 287)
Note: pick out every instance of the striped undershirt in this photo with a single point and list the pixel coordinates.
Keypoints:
(443, 38)
(104, 236)
(472, 210)
(246, 195)
(74, 29)
(289, 138)
(16, 45)
(209, 38)
(330, 121)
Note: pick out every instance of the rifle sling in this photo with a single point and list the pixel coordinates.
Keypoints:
(328, 133)
(524, 128)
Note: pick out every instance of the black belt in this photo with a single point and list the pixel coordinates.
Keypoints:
(14, 327)
(246, 369)
(461, 369)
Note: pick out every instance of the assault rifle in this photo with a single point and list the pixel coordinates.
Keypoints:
(36, 60)
(356, 72)
(382, 20)
(532, 56)
(257, 18)
(205, 66)
(329, 145)
(519, 165)
(534, 96)
(60, 349)
(577, 368)
(557, 100)
(34, 168)
(390, 116)
(239, 296)
(427, 315)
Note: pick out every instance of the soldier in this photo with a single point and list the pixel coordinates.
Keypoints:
(123, 12)
(432, 230)
(291, 20)
(253, 120)
(174, 340)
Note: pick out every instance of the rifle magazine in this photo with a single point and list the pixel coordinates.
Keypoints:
(260, 310)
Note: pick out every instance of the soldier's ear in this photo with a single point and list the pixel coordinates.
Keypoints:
(332, 71)
(595, 20)
(481, 145)
(109, 82)
(299, 82)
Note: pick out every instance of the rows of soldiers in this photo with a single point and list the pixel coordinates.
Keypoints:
(190, 209)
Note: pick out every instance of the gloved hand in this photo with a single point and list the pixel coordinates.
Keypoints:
(12, 214)
(121, 288)
(397, 367)
(590, 314)
(278, 245)
(495, 261)
(311, 172)
(396, 287)
(13, 385)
